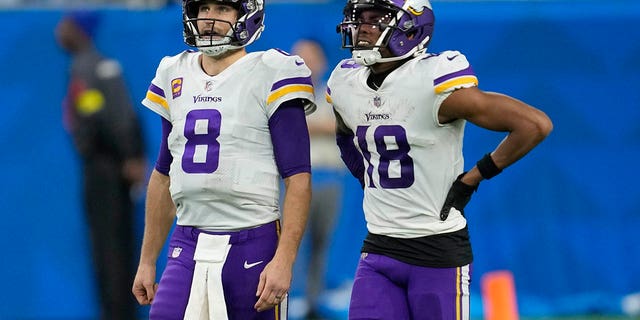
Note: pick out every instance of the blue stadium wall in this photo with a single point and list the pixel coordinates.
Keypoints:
(564, 220)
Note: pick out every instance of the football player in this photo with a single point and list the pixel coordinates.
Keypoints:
(233, 124)
(401, 114)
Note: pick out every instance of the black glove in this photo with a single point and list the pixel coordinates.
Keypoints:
(458, 197)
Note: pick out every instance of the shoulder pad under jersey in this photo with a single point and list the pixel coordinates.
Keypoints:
(291, 78)
(452, 71)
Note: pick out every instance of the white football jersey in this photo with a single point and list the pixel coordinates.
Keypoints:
(410, 159)
(223, 175)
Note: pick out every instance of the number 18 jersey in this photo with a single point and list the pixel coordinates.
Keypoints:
(410, 159)
(223, 175)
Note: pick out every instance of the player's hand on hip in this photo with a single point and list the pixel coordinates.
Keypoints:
(274, 284)
(458, 197)
(144, 285)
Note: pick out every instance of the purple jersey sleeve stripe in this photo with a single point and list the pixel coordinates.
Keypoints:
(155, 89)
(455, 83)
(288, 90)
(464, 72)
(290, 81)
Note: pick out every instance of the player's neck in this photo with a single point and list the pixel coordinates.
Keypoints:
(215, 65)
(380, 71)
(385, 67)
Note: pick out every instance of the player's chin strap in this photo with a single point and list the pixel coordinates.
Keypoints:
(373, 56)
(219, 47)
(215, 48)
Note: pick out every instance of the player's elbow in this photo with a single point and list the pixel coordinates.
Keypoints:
(540, 126)
(544, 125)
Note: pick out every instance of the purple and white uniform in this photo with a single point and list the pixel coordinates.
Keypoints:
(225, 177)
(409, 161)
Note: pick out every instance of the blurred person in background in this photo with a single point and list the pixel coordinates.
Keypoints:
(328, 173)
(401, 114)
(99, 116)
(233, 127)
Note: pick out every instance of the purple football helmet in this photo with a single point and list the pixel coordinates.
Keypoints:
(406, 28)
(242, 33)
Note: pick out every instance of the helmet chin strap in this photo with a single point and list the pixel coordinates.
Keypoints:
(373, 56)
(366, 57)
(220, 47)
(370, 57)
(215, 48)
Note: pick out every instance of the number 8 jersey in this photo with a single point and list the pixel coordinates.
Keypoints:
(223, 174)
(410, 159)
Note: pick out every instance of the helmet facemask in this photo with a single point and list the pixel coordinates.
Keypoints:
(209, 41)
(243, 32)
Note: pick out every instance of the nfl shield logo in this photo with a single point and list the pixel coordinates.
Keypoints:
(208, 85)
(377, 101)
(176, 252)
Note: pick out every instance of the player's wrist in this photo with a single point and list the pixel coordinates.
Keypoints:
(285, 258)
(487, 167)
(471, 178)
(463, 188)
